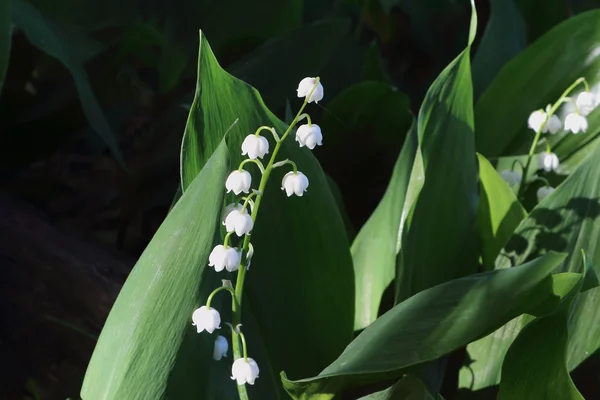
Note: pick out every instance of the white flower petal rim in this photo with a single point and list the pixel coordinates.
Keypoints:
(309, 136)
(206, 319)
(238, 182)
(294, 183)
(549, 161)
(576, 123)
(255, 146)
(244, 371)
(306, 85)
(239, 222)
(222, 257)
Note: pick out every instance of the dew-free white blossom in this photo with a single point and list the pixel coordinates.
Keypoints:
(255, 146)
(309, 135)
(553, 125)
(306, 85)
(238, 182)
(225, 257)
(576, 123)
(586, 102)
(544, 192)
(238, 221)
(549, 161)
(511, 177)
(229, 208)
(244, 371)
(221, 347)
(537, 119)
(294, 183)
(206, 319)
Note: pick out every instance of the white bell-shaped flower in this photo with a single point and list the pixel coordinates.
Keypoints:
(576, 123)
(549, 161)
(244, 371)
(255, 146)
(586, 102)
(221, 347)
(536, 119)
(553, 125)
(206, 319)
(511, 177)
(238, 221)
(229, 208)
(222, 257)
(294, 183)
(309, 135)
(238, 181)
(306, 85)
(544, 192)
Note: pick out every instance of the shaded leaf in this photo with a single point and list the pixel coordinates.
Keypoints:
(407, 388)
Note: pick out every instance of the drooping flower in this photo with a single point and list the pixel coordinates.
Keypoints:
(553, 125)
(294, 183)
(306, 85)
(238, 181)
(538, 117)
(549, 161)
(309, 135)
(511, 177)
(238, 221)
(255, 146)
(576, 123)
(229, 208)
(544, 192)
(586, 102)
(244, 371)
(221, 347)
(206, 319)
(225, 257)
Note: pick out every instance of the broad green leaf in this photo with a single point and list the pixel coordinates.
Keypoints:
(148, 348)
(5, 39)
(443, 217)
(300, 242)
(498, 213)
(175, 54)
(407, 388)
(276, 67)
(423, 328)
(503, 39)
(375, 248)
(69, 49)
(533, 79)
(566, 221)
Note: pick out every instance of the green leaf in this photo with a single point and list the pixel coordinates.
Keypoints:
(175, 53)
(72, 50)
(447, 153)
(503, 39)
(276, 67)
(148, 348)
(424, 327)
(301, 244)
(5, 39)
(498, 213)
(566, 221)
(407, 388)
(534, 78)
(375, 248)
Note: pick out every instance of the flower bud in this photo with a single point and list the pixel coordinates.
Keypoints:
(294, 183)
(576, 123)
(239, 221)
(238, 181)
(549, 161)
(544, 192)
(244, 371)
(206, 319)
(306, 85)
(225, 257)
(255, 146)
(309, 135)
(511, 177)
(221, 347)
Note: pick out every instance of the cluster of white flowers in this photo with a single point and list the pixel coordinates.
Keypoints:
(546, 121)
(237, 220)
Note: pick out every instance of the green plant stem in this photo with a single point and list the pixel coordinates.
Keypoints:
(239, 284)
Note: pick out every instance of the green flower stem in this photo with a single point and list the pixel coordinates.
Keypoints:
(300, 118)
(226, 240)
(255, 161)
(239, 284)
(217, 290)
(539, 132)
(268, 128)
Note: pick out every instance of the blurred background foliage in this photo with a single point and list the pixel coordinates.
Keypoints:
(94, 105)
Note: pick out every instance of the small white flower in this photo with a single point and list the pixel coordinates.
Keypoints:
(294, 183)
(238, 221)
(536, 119)
(544, 192)
(221, 347)
(553, 125)
(511, 177)
(229, 208)
(586, 102)
(206, 319)
(309, 135)
(222, 257)
(549, 161)
(306, 85)
(244, 372)
(238, 181)
(255, 146)
(576, 123)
